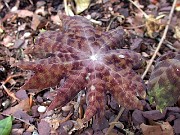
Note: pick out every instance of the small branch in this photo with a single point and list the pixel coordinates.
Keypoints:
(7, 5)
(63, 120)
(116, 119)
(161, 41)
(31, 2)
(134, 27)
(10, 77)
(11, 94)
(108, 27)
(145, 15)
(68, 11)
(65, 7)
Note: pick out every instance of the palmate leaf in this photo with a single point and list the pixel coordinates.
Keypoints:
(164, 82)
(89, 59)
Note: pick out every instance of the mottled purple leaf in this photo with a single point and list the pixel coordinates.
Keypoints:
(89, 59)
(164, 83)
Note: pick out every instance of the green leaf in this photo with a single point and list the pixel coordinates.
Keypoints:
(81, 5)
(6, 125)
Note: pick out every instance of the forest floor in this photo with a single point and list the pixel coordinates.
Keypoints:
(145, 25)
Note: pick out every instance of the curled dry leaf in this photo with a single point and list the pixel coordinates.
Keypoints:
(81, 5)
(164, 82)
(177, 32)
(153, 25)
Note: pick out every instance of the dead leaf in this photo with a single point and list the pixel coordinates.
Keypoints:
(44, 128)
(35, 22)
(176, 126)
(177, 32)
(136, 44)
(81, 5)
(100, 124)
(162, 129)
(153, 25)
(24, 13)
(177, 45)
(18, 43)
(65, 127)
(56, 19)
(7, 41)
(21, 94)
(41, 11)
(23, 105)
(23, 116)
(17, 131)
(138, 118)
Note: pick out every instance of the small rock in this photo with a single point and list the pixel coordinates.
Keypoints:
(27, 133)
(176, 126)
(88, 131)
(153, 115)
(108, 114)
(39, 99)
(173, 109)
(21, 94)
(18, 43)
(98, 133)
(35, 133)
(138, 118)
(100, 124)
(18, 125)
(40, 3)
(27, 34)
(6, 103)
(41, 109)
(65, 127)
(43, 128)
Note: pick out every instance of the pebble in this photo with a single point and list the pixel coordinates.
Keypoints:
(41, 109)
(27, 34)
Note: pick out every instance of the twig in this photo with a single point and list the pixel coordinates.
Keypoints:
(77, 108)
(116, 119)
(145, 15)
(65, 7)
(31, 2)
(10, 77)
(170, 45)
(63, 120)
(7, 5)
(108, 27)
(11, 94)
(134, 27)
(161, 41)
